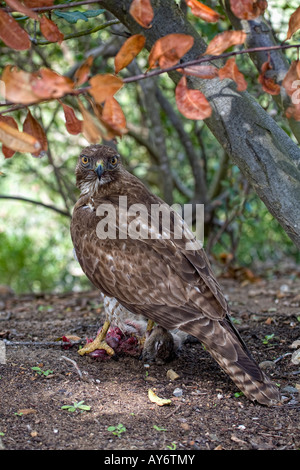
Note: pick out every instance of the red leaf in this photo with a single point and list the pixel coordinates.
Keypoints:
(169, 49)
(268, 84)
(202, 11)
(129, 50)
(15, 5)
(224, 40)
(191, 103)
(230, 70)
(38, 3)
(142, 12)
(32, 127)
(50, 30)
(73, 124)
(248, 9)
(12, 34)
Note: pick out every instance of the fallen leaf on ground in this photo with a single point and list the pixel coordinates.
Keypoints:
(157, 400)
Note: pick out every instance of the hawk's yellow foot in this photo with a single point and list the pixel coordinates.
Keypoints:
(99, 342)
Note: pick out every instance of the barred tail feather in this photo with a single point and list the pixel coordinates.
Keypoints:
(263, 390)
(224, 343)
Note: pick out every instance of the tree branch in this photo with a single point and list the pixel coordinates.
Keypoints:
(37, 203)
(264, 153)
(259, 36)
(57, 7)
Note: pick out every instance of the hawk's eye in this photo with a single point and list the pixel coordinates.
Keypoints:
(84, 160)
(113, 161)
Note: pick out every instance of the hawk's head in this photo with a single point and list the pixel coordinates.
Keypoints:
(97, 165)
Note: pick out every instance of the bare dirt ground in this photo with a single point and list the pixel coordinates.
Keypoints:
(209, 414)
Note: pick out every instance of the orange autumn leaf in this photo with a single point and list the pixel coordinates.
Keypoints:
(82, 74)
(142, 12)
(104, 86)
(294, 23)
(15, 5)
(191, 103)
(32, 127)
(7, 152)
(50, 30)
(113, 115)
(202, 71)
(293, 74)
(230, 70)
(47, 84)
(224, 40)
(26, 88)
(169, 49)
(16, 140)
(91, 128)
(18, 85)
(268, 84)
(202, 11)
(73, 124)
(291, 85)
(12, 34)
(248, 9)
(129, 50)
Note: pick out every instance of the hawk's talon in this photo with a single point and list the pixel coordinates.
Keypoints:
(98, 343)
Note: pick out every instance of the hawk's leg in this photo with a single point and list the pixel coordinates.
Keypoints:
(99, 342)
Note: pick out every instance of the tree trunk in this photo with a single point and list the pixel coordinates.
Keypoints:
(264, 153)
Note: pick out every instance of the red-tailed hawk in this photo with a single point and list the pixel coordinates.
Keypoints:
(147, 269)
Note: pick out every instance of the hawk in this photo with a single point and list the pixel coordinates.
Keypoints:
(143, 269)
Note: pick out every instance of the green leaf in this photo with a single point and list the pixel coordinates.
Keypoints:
(74, 16)
(93, 13)
(85, 407)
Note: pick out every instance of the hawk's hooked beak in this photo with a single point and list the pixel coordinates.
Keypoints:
(99, 168)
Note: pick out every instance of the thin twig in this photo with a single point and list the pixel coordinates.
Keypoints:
(78, 34)
(202, 59)
(75, 365)
(42, 343)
